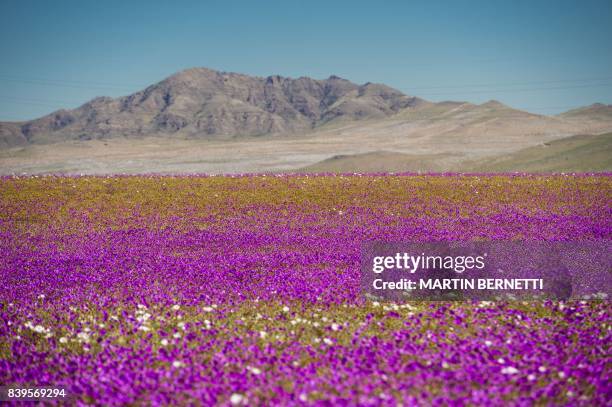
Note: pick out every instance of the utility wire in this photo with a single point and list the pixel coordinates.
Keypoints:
(517, 90)
(510, 84)
(100, 85)
(125, 86)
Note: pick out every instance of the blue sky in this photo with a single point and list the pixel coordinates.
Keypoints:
(542, 56)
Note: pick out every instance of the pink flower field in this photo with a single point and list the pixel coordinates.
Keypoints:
(245, 290)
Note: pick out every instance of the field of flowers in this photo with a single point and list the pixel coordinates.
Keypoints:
(246, 291)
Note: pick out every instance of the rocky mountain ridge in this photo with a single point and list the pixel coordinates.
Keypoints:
(203, 103)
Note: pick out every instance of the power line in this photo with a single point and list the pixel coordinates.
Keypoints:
(125, 86)
(69, 84)
(99, 85)
(516, 90)
(36, 100)
(114, 84)
(511, 84)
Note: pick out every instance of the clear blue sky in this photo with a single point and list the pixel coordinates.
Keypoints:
(543, 56)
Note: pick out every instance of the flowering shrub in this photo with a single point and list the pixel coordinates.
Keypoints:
(245, 290)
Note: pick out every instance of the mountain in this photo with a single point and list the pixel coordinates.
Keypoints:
(379, 161)
(202, 103)
(596, 111)
(582, 153)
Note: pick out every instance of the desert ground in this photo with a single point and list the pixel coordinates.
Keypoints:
(457, 137)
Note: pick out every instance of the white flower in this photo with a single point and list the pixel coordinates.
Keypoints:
(177, 364)
(542, 369)
(41, 296)
(39, 329)
(181, 325)
(83, 336)
(208, 309)
(144, 328)
(262, 334)
(141, 306)
(63, 339)
(177, 335)
(561, 375)
(501, 361)
(143, 317)
(509, 370)
(285, 309)
(335, 327)
(328, 341)
(237, 399)
(254, 370)
(303, 397)
(488, 343)
(164, 342)
(531, 377)
(375, 303)
(445, 365)
(176, 307)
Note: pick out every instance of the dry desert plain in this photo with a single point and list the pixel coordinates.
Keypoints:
(456, 137)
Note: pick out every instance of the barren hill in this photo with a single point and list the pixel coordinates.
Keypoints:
(596, 111)
(582, 153)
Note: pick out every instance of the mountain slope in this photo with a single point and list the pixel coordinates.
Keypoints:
(583, 153)
(596, 111)
(380, 161)
(203, 103)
